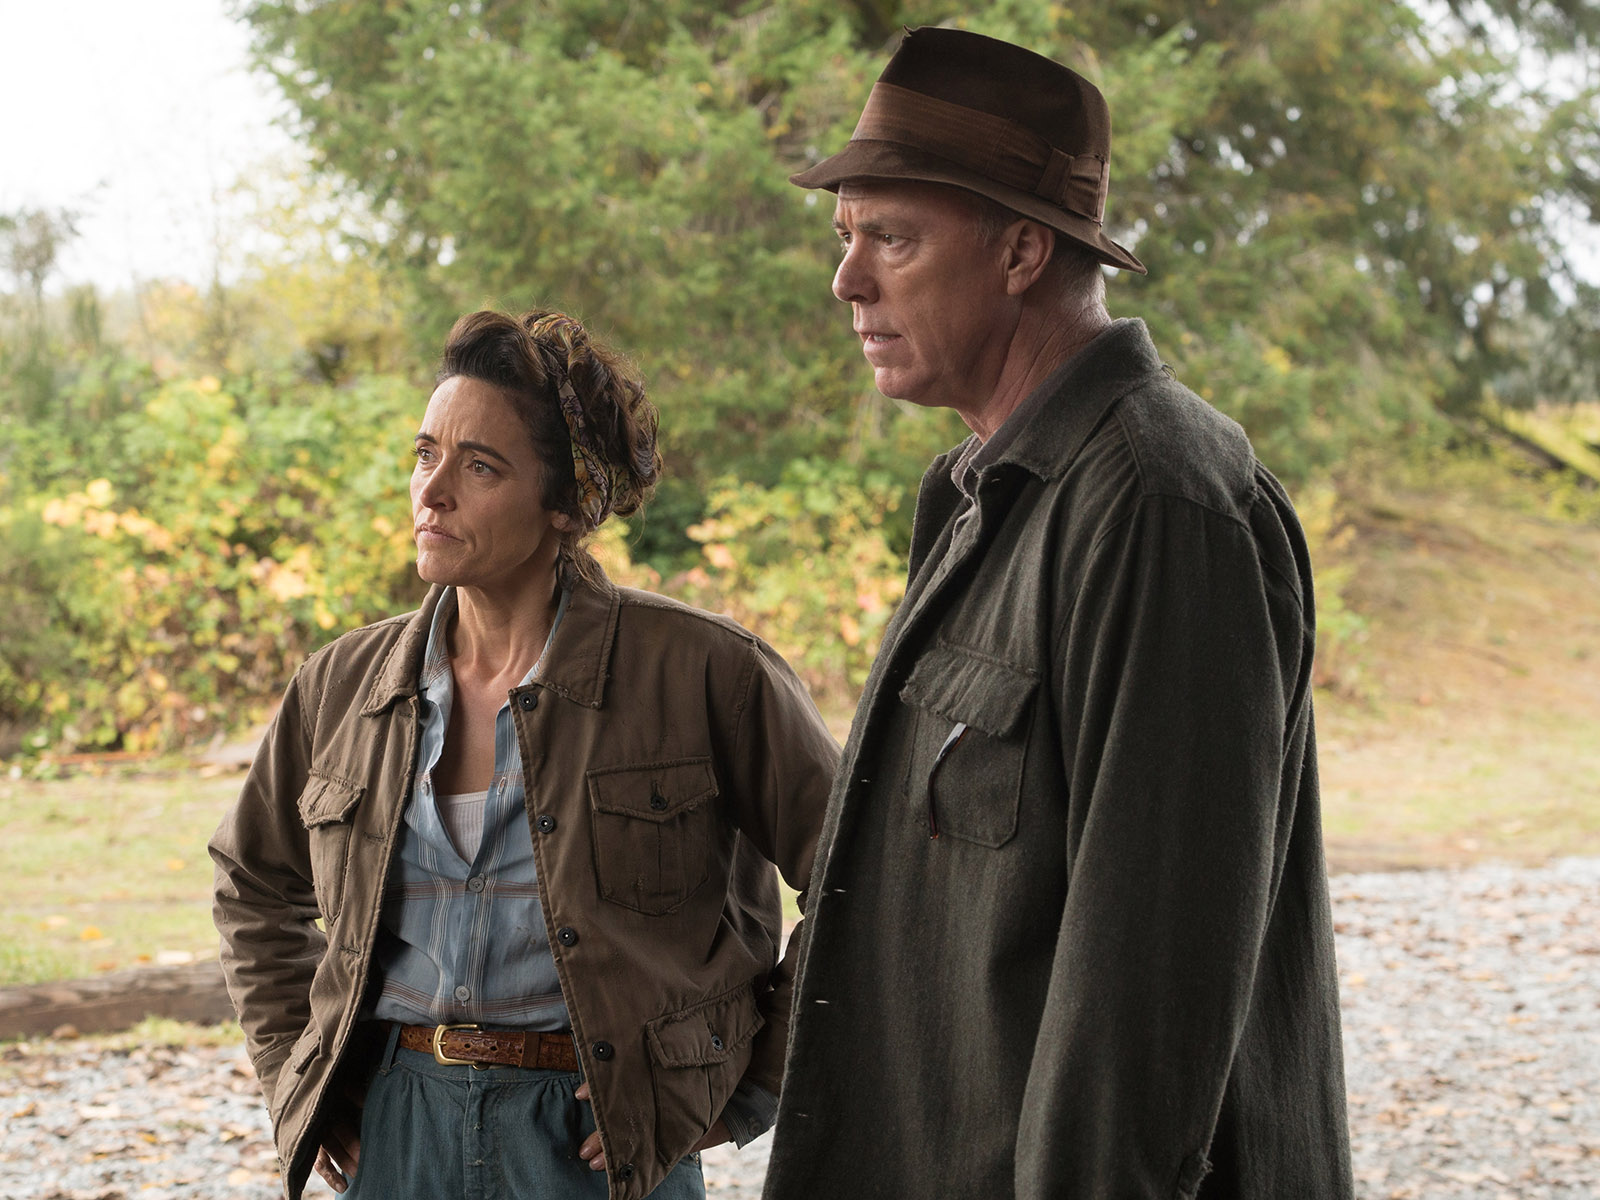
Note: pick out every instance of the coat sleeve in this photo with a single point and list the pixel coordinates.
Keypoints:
(264, 903)
(1178, 667)
(782, 768)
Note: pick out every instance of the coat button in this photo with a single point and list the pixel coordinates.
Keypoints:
(625, 1172)
(545, 823)
(528, 701)
(716, 1042)
(567, 935)
(602, 1051)
(658, 801)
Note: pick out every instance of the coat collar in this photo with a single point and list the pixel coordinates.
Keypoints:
(576, 667)
(1071, 403)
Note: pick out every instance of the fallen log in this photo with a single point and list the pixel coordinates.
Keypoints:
(116, 1001)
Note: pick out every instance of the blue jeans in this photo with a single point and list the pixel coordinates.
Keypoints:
(435, 1132)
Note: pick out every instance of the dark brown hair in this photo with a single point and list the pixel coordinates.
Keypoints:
(528, 357)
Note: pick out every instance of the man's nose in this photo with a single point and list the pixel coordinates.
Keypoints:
(852, 282)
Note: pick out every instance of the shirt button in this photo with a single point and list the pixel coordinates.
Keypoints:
(463, 993)
(567, 935)
(602, 1051)
(475, 884)
(528, 701)
(545, 823)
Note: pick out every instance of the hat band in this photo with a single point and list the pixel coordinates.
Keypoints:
(991, 146)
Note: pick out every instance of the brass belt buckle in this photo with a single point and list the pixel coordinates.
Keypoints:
(443, 1059)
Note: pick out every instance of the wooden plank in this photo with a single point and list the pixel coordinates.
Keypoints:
(116, 1000)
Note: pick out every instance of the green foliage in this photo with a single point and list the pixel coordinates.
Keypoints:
(1349, 216)
(228, 538)
(807, 563)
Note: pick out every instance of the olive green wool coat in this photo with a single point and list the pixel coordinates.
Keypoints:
(1111, 974)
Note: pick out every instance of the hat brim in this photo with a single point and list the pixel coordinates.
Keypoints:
(864, 159)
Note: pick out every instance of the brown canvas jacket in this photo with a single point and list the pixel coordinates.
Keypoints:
(1111, 976)
(671, 758)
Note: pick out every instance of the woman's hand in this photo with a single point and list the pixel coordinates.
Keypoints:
(339, 1154)
(715, 1136)
(592, 1153)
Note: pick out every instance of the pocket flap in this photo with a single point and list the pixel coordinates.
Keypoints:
(327, 800)
(705, 1033)
(304, 1051)
(961, 685)
(652, 791)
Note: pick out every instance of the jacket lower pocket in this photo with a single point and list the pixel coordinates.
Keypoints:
(697, 1057)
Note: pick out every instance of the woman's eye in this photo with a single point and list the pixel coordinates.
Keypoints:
(481, 468)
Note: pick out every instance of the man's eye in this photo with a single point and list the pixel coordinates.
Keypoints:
(888, 239)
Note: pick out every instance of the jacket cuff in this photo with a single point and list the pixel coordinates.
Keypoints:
(749, 1113)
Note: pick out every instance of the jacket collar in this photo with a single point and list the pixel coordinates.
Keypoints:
(576, 668)
(398, 678)
(579, 661)
(1069, 405)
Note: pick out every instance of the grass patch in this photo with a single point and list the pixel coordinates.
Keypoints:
(106, 872)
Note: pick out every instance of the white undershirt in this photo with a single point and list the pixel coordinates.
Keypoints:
(462, 815)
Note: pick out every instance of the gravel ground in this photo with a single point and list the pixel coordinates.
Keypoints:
(1472, 1037)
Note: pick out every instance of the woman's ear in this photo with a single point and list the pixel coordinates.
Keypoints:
(566, 522)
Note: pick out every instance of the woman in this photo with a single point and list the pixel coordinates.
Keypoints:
(523, 837)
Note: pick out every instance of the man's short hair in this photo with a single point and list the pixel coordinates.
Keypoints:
(1073, 264)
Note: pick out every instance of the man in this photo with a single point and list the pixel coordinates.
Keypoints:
(1071, 936)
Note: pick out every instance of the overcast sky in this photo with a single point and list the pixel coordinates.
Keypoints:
(137, 113)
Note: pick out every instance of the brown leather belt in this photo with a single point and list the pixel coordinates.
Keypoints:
(489, 1048)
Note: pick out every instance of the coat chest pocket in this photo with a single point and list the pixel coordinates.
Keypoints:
(327, 810)
(653, 831)
(969, 744)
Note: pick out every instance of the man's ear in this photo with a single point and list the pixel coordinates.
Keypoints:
(1029, 246)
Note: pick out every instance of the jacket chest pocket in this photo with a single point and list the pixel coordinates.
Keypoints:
(653, 826)
(969, 744)
(327, 810)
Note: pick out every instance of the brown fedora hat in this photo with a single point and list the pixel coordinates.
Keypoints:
(960, 108)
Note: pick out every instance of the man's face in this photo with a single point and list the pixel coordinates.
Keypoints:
(929, 298)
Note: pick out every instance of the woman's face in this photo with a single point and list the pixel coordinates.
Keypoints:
(476, 509)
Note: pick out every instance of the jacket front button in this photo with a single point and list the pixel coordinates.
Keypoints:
(625, 1172)
(528, 701)
(602, 1051)
(545, 823)
(567, 935)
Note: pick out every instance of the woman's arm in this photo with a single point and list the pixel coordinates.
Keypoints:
(264, 904)
(781, 771)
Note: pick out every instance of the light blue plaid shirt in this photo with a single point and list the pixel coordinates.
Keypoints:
(465, 941)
